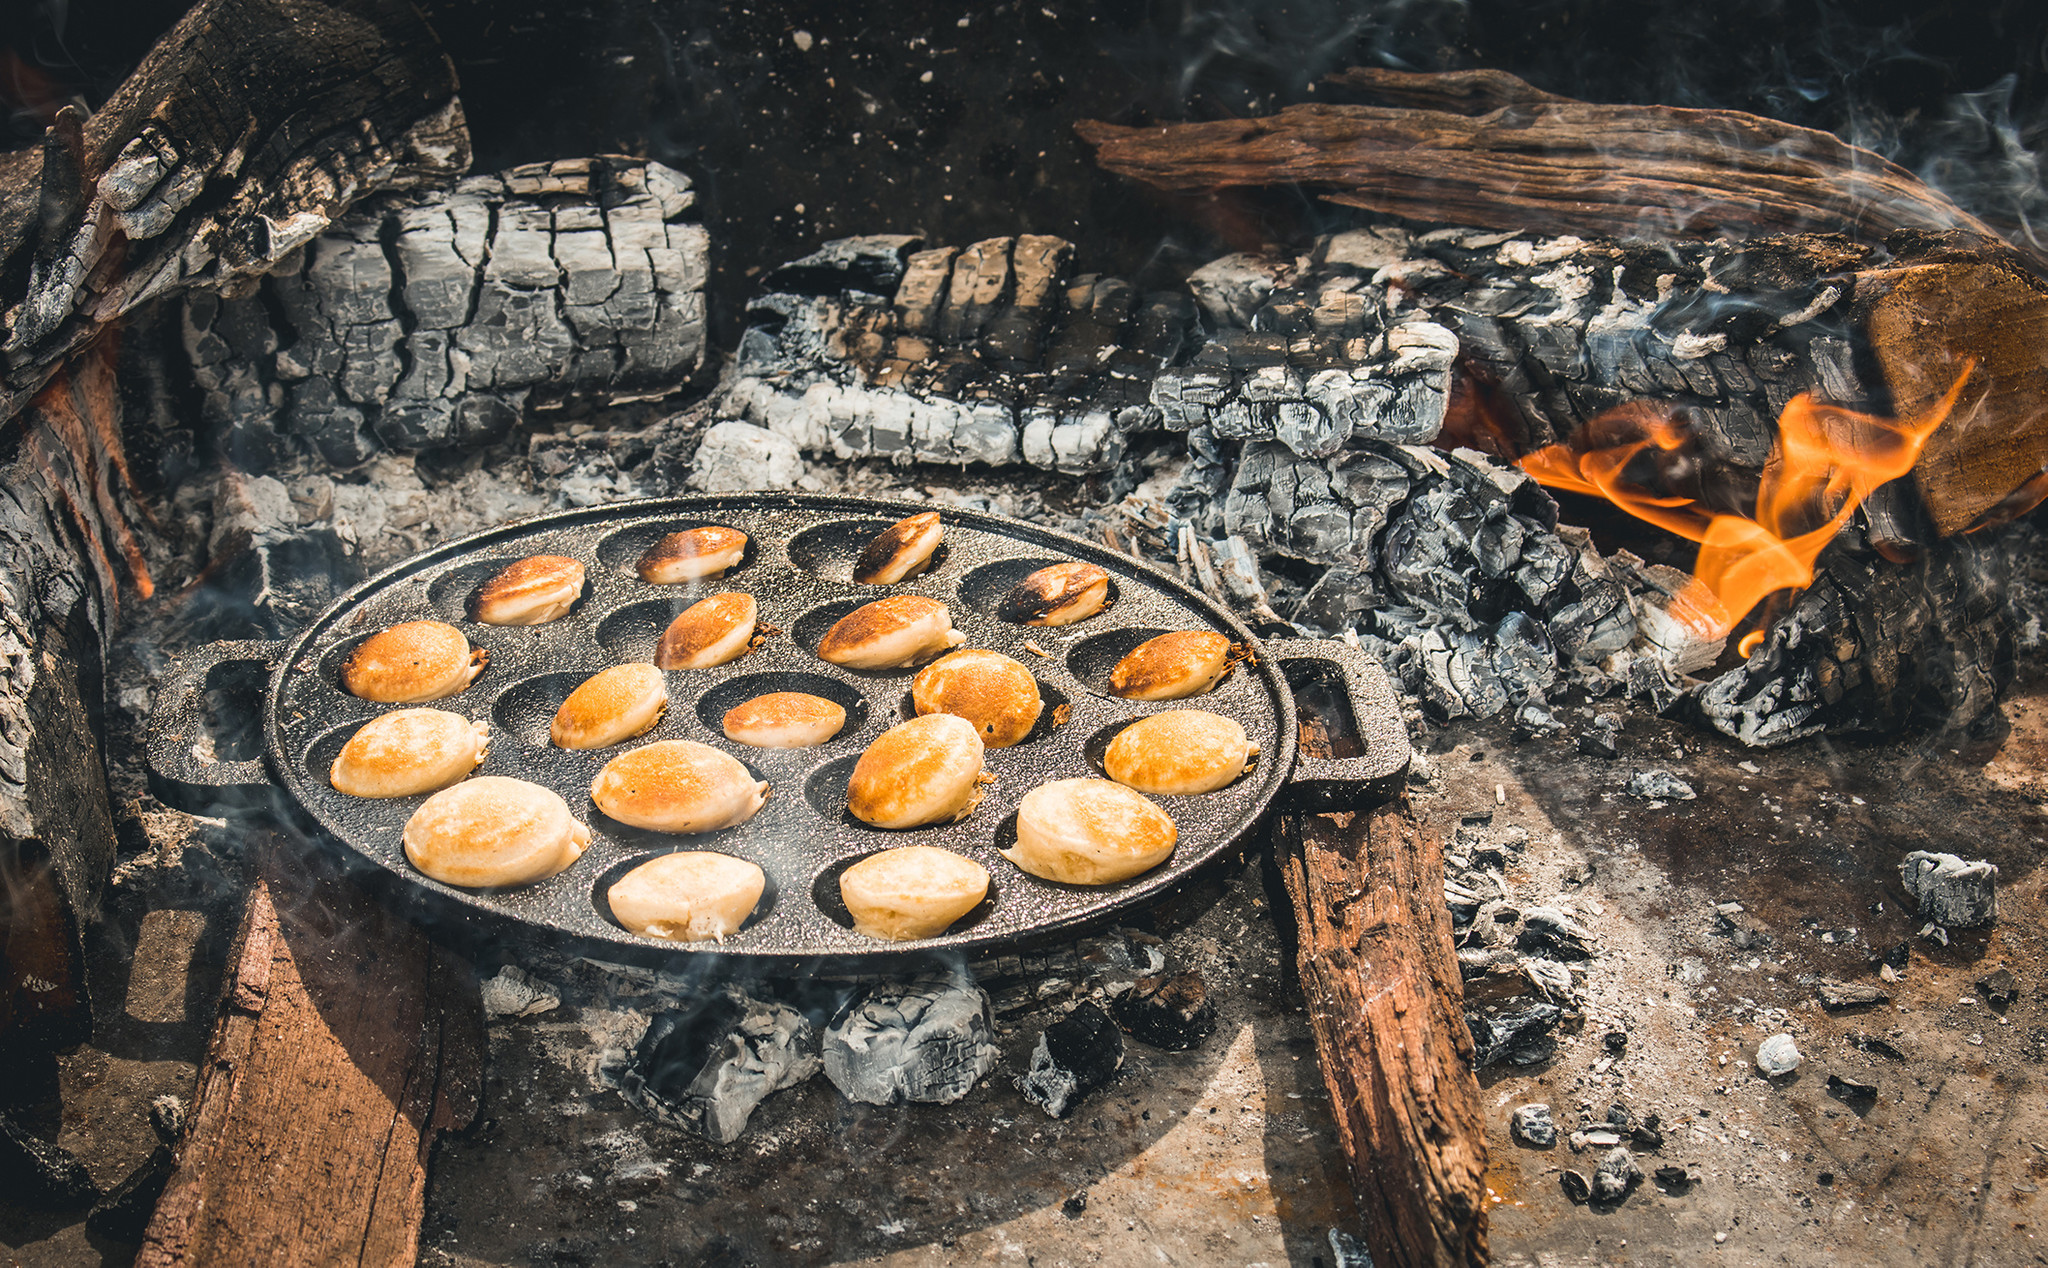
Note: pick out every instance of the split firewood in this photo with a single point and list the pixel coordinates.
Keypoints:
(1386, 1002)
(1498, 153)
(345, 1044)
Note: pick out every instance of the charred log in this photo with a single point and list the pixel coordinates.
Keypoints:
(433, 320)
(243, 134)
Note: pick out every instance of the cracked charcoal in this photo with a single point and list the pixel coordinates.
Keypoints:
(706, 1068)
(929, 1039)
(1075, 1055)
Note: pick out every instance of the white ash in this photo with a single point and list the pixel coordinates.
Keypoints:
(928, 1039)
(1778, 1055)
(1659, 785)
(706, 1066)
(738, 457)
(512, 992)
(1951, 893)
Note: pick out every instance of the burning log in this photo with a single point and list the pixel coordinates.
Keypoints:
(345, 1044)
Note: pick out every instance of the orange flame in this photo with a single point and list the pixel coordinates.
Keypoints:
(1825, 462)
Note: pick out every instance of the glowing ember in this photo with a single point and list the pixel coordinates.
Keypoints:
(1826, 461)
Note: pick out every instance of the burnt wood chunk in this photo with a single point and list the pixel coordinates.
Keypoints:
(1386, 1002)
(344, 1044)
(244, 132)
(1547, 164)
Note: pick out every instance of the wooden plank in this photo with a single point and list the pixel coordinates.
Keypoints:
(1386, 1003)
(345, 1043)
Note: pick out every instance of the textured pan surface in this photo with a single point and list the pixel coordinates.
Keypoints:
(799, 567)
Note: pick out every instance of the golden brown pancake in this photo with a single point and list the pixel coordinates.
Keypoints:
(533, 591)
(1179, 752)
(890, 633)
(1089, 832)
(995, 693)
(413, 662)
(491, 832)
(692, 554)
(914, 891)
(407, 752)
(709, 632)
(678, 786)
(900, 551)
(926, 770)
(610, 707)
(1172, 666)
(784, 719)
(1057, 595)
(689, 896)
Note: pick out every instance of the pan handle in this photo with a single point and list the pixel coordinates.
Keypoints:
(1349, 691)
(178, 773)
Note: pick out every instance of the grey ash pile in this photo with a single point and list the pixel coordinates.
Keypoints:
(1277, 431)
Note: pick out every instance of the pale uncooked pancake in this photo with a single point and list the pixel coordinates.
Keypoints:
(890, 633)
(413, 662)
(533, 591)
(690, 896)
(901, 551)
(1089, 832)
(1172, 666)
(709, 632)
(926, 770)
(915, 891)
(407, 752)
(611, 706)
(994, 692)
(678, 786)
(784, 719)
(1057, 595)
(491, 832)
(692, 554)
(1179, 752)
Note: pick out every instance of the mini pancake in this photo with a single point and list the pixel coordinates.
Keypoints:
(410, 751)
(692, 554)
(678, 786)
(784, 719)
(1179, 752)
(413, 662)
(890, 633)
(709, 632)
(913, 891)
(491, 832)
(1089, 832)
(1172, 666)
(926, 770)
(611, 706)
(995, 693)
(533, 591)
(689, 896)
(900, 551)
(1057, 595)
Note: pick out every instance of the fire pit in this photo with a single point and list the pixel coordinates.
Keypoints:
(1666, 474)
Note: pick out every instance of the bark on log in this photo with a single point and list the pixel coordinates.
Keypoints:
(344, 1045)
(1545, 165)
(242, 135)
(1386, 1001)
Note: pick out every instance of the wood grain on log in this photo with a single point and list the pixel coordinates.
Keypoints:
(1546, 165)
(345, 1044)
(243, 134)
(1386, 1001)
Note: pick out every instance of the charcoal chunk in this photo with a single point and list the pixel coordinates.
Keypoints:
(705, 1068)
(1575, 1186)
(1076, 1054)
(1851, 1093)
(1170, 1012)
(1836, 996)
(1615, 1176)
(37, 1173)
(2000, 988)
(1659, 785)
(929, 1039)
(1532, 1124)
(1951, 892)
(1522, 1036)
